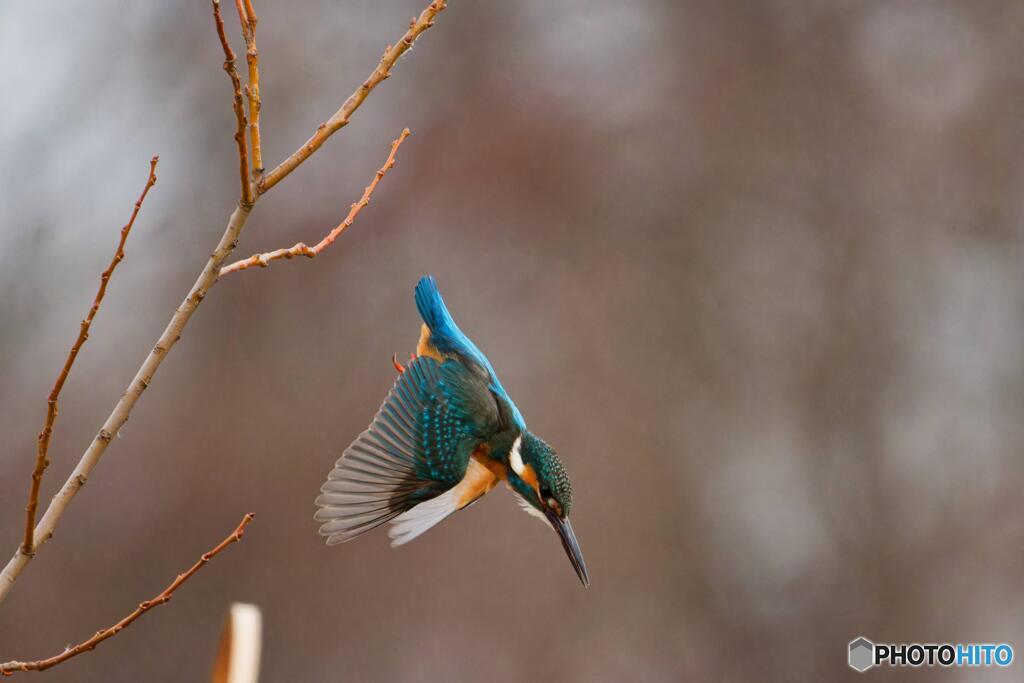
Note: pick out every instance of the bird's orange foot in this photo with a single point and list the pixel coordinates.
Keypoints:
(398, 366)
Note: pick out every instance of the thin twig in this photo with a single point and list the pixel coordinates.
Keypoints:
(301, 249)
(91, 457)
(43, 441)
(124, 406)
(251, 13)
(236, 87)
(341, 117)
(248, 19)
(9, 668)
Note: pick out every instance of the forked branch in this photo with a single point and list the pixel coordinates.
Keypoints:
(341, 117)
(210, 273)
(8, 668)
(302, 249)
(43, 440)
(236, 103)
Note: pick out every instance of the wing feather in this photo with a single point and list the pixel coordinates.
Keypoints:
(419, 519)
(416, 449)
(379, 476)
(477, 481)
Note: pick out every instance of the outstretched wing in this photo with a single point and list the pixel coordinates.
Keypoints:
(417, 448)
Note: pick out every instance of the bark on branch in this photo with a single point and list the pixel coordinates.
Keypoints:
(248, 20)
(208, 276)
(8, 668)
(341, 117)
(236, 103)
(302, 249)
(43, 440)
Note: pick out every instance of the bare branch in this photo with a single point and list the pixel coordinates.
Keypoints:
(248, 19)
(341, 117)
(7, 668)
(43, 441)
(301, 249)
(207, 278)
(172, 333)
(236, 86)
(243, 17)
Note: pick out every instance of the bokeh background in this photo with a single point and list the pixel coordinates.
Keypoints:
(753, 268)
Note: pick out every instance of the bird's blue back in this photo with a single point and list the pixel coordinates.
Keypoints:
(446, 336)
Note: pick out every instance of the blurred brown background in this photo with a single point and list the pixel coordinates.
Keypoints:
(753, 268)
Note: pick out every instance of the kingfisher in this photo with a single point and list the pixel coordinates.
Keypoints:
(445, 435)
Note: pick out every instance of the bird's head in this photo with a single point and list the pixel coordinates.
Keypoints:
(538, 476)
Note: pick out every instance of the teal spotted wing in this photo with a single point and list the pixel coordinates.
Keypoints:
(417, 447)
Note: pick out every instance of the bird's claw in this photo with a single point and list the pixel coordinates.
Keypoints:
(399, 366)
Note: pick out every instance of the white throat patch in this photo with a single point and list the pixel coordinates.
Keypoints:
(515, 457)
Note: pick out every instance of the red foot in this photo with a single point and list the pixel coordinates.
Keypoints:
(398, 366)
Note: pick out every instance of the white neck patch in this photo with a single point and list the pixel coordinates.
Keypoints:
(515, 457)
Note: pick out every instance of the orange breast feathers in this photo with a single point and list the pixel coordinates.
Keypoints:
(482, 474)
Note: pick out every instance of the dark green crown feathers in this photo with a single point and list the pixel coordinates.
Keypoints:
(550, 471)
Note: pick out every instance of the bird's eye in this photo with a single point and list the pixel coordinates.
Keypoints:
(554, 506)
(549, 500)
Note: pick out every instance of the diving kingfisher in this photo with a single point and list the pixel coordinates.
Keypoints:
(446, 434)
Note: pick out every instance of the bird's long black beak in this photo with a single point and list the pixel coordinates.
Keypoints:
(572, 547)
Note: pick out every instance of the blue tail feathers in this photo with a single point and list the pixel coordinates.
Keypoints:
(447, 338)
(432, 309)
(445, 335)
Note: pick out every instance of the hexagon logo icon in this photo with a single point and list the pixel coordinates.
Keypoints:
(861, 654)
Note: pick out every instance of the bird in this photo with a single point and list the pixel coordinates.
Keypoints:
(446, 434)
